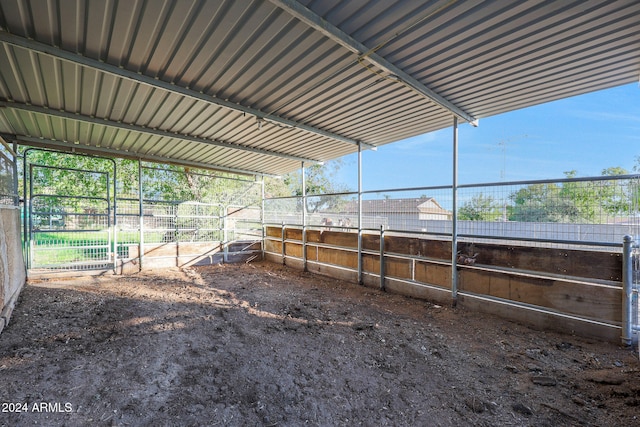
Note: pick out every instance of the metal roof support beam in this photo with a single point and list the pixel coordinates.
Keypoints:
(160, 84)
(143, 129)
(88, 149)
(307, 16)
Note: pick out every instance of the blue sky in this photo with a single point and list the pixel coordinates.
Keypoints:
(587, 133)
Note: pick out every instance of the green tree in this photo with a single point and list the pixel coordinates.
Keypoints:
(541, 203)
(480, 208)
(320, 179)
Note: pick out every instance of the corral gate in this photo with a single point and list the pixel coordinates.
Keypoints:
(68, 226)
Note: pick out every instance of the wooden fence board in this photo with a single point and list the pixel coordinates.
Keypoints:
(293, 234)
(541, 320)
(274, 232)
(293, 249)
(400, 268)
(273, 246)
(371, 263)
(338, 257)
(433, 274)
(345, 240)
(596, 302)
(574, 263)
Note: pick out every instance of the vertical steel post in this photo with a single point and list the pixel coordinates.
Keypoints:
(26, 180)
(16, 198)
(141, 214)
(627, 291)
(262, 226)
(111, 231)
(304, 219)
(225, 233)
(454, 212)
(382, 285)
(360, 281)
(115, 215)
(30, 217)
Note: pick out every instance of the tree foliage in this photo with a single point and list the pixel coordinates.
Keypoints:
(75, 176)
(320, 180)
(481, 207)
(573, 201)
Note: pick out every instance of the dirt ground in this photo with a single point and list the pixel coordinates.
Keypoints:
(263, 345)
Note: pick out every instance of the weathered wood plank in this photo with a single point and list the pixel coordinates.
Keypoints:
(312, 252)
(273, 246)
(337, 238)
(338, 257)
(587, 264)
(541, 320)
(371, 264)
(433, 274)
(293, 249)
(414, 290)
(293, 234)
(437, 249)
(602, 303)
(400, 268)
(274, 232)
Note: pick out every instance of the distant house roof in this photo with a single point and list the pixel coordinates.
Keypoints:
(424, 205)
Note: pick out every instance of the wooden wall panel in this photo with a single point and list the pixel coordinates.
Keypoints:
(273, 246)
(541, 320)
(587, 264)
(371, 263)
(312, 253)
(338, 257)
(400, 268)
(293, 234)
(434, 274)
(345, 240)
(437, 249)
(603, 303)
(274, 232)
(371, 242)
(293, 249)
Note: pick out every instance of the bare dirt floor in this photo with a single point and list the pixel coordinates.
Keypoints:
(264, 345)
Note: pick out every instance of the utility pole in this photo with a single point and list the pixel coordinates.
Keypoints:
(503, 172)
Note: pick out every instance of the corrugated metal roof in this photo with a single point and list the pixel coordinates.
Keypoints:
(260, 86)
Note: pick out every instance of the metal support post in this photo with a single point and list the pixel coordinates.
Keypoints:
(454, 223)
(627, 291)
(382, 284)
(360, 281)
(262, 227)
(304, 218)
(115, 215)
(26, 203)
(141, 214)
(16, 199)
(225, 233)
